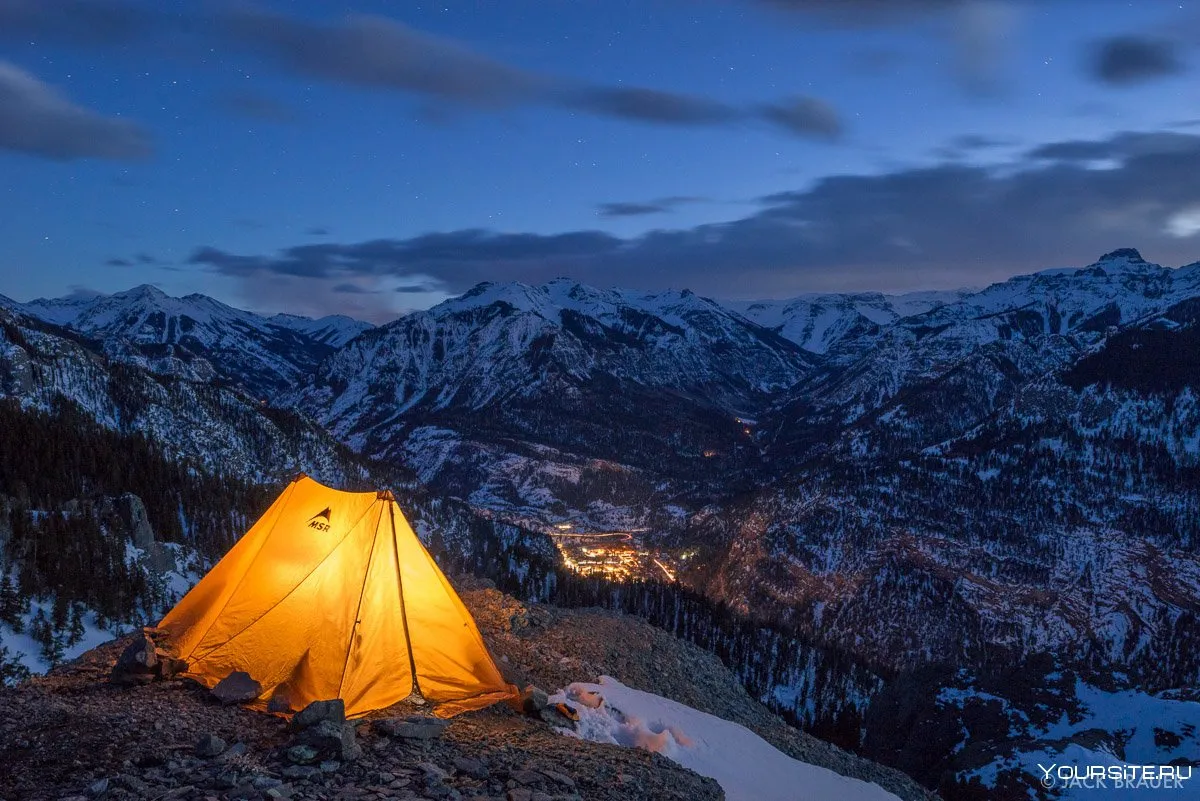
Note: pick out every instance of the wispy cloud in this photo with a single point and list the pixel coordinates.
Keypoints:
(642, 208)
(37, 120)
(947, 225)
(381, 53)
(1124, 60)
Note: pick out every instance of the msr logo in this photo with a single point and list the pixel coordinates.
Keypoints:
(320, 521)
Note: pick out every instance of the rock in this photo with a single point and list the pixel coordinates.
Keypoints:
(414, 727)
(137, 663)
(132, 512)
(331, 766)
(210, 745)
(169, 667)
(555, 717)
(519, 794)
(331, 740)
(235, 750)
(98, 788)
(333, 710)
(237, 688)
(561, 778)
(471, 767)
(299, 771)
(301, 755)
(265, 782)
(433, 772)
(526, 777)
(533, 700)
(279, 702)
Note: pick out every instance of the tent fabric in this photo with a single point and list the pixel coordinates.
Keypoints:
(331, 595)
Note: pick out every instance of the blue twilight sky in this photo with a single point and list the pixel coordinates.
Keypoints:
(369, 158)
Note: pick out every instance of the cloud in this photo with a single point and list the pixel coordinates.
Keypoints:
(36, 120)
(255, 106)
(91, 22)
(946, 225)
(967, 144)
(637, 209)
(119, 263)
(1123, 60)
(1119, 147)
(976, 31)
(317, 230)
(805, 116)
(380, 53)
(347, 288)
(651, 105)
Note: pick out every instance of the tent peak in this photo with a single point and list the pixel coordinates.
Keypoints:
(385, 495)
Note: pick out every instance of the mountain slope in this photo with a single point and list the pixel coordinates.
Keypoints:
(219, 429)
(200, 338)
(519, 388)
(57, 737)
(819, 322)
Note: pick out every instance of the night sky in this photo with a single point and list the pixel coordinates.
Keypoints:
(317, 157)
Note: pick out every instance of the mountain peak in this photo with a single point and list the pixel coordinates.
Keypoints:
(143, 291)
(1123, 254)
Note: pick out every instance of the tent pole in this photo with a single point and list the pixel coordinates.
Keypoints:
(412, 662)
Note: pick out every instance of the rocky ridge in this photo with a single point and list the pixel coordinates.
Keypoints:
(73, 734)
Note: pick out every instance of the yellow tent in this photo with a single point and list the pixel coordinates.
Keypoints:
(331, 595)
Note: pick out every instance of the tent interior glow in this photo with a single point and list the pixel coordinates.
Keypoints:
(331, 595)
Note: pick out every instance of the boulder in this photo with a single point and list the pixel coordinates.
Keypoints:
(137, 663)
(132, 512)
(471, 767)
(533, 700)
(169, 667)
(300, 755)
(331, 740)
(333, 710)
(237, 688)
(210, 745)
(413, 727)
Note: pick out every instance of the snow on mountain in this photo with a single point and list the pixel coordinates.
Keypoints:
(817, 322)
(334, 330)
(747, 767)
(561, 347)
(222, 430)
(59, 311)
(200, 338)
(993, 339)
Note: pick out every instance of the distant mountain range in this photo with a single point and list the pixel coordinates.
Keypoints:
(197, 337)
(977, 479)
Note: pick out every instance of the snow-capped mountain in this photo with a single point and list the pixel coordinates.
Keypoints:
(333, 330)
(818, 322)
(196, 422)
(961, 481)
(200, 338)
(555, 385)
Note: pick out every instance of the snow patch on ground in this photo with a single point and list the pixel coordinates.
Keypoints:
(747, 767)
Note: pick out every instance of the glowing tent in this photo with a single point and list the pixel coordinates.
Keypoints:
(331, 595)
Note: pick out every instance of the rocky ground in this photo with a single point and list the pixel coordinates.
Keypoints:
(74, 734)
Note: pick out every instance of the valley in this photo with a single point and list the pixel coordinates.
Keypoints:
(857, 502)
